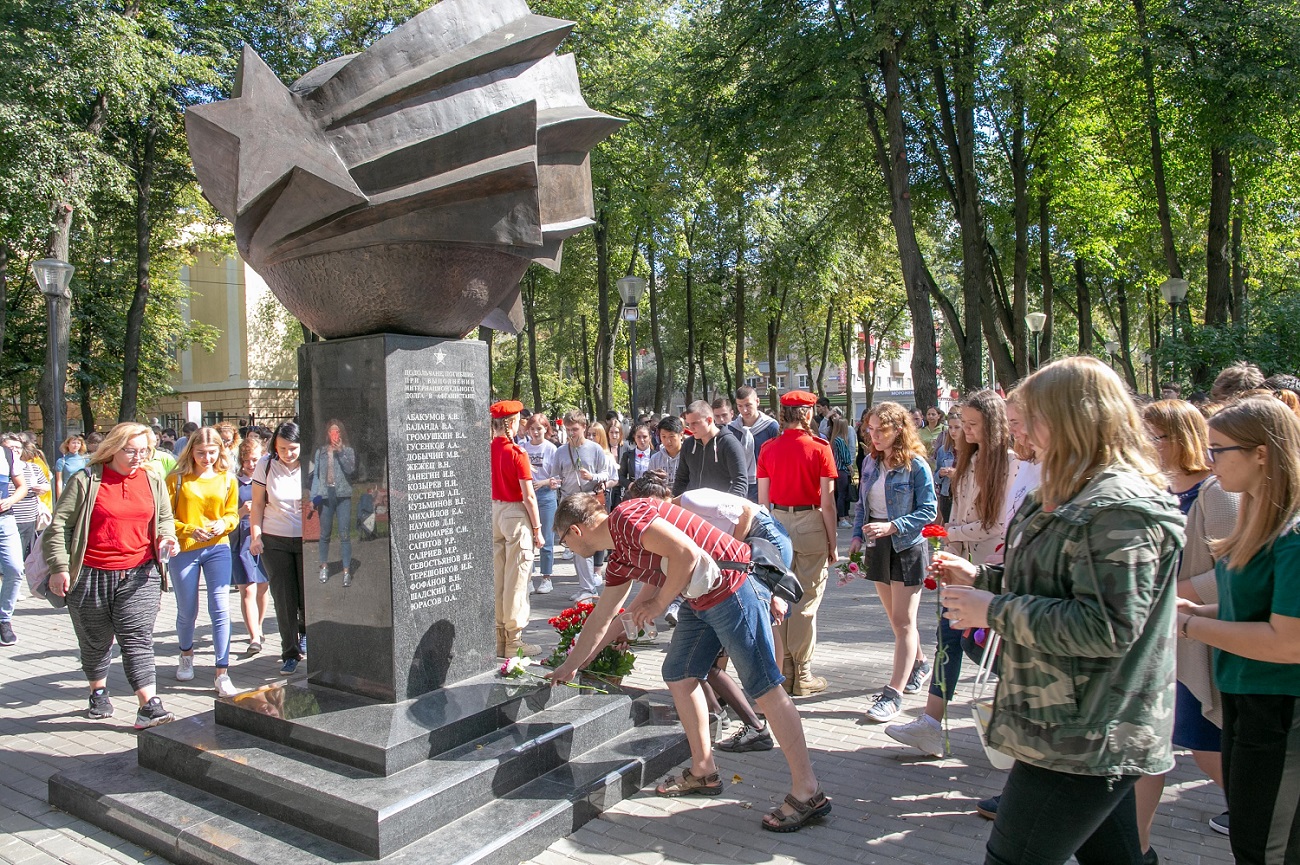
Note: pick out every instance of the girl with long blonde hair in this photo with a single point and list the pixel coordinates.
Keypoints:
(1254, 448)
(1084, 601)
(205, 501)
(895, 501)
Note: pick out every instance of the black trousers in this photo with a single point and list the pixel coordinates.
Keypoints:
(282, 561)
(1261, 766)
(1045, 817)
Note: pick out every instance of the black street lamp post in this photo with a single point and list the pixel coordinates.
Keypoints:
(1174, 291)
(54, 278)
(630, 289)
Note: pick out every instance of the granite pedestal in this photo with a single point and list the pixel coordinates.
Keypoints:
(403, 744)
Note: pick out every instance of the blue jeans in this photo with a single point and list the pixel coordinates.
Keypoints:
(546, 505)
(11, 562)
(214, 562)
(765, 526)
(738, 624)
(950, 672)
(331, 506)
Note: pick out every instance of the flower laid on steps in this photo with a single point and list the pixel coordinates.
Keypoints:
(611, 664)
(517, 668)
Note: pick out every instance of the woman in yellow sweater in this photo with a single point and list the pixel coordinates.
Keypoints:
(205, 500)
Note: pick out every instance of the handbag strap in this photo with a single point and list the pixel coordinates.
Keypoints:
(991, 645)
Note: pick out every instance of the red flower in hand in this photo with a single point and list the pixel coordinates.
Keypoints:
(931, 583)
(934, 530)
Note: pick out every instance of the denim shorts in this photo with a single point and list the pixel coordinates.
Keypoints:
(739, 625)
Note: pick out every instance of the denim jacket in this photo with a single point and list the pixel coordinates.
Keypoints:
(909, 499)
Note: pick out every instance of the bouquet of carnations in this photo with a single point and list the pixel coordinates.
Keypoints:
(610, 664)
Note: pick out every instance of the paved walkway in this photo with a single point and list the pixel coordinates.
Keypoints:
(891, 805)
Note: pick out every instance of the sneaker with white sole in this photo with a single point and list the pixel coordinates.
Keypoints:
(151, 714)
(1220, 824)
(545, 587)
(225, 687)
(885, 706)
(924, 734)
(747, 738)
(100, 705)
(921, 672)
(185, 669)
(988, 808)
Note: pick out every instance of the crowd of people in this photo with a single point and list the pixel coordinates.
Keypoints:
(1138, 560)
(1135, 559)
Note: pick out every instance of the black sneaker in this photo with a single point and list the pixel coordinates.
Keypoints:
(100, 705)
(988, 808)
(7, 637)
(152, 714)
(921, 671)
(1220, 824)
(747, 739)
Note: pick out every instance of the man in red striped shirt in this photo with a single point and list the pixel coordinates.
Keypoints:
(672, 552)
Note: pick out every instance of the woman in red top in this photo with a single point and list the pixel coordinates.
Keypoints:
(111, 526)
(516, 529)
(675, 552)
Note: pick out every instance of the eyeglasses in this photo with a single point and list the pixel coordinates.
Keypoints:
(133, 453)
(565, 535)
(1213, 453)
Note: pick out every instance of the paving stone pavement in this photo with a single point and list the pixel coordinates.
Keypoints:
(891, 805)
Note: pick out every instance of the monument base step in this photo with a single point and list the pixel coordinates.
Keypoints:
(191, 827)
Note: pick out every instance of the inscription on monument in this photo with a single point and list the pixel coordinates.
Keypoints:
(435, 440)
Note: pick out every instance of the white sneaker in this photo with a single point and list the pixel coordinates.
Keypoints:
(924, 734)
(225, 687)
(545, 587)
(185, 669)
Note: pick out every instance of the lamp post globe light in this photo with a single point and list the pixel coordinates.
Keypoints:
(630, 289)
(1174, 291)
(1112, 348)
(1145, 359)
(54, 277)
(1036, 321)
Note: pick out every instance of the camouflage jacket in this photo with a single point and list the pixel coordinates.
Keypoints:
(1085, 605)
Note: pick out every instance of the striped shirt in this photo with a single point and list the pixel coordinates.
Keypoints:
(630, 561)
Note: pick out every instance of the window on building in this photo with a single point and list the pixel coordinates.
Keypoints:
(803, 381)
(780, 381)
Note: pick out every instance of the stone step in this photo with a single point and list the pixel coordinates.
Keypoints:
(383, 738)
(377, 815)
(191, 827)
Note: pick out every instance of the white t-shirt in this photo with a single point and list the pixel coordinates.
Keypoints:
(720, 510)
(1026, 481)
(538, 457)
(877, 506)
(282, 515)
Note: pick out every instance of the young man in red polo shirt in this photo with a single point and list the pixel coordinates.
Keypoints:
(796, 482)
(516, 529)
(668, 548)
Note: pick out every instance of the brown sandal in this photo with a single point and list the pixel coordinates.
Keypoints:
(818, 805)
(691, 785)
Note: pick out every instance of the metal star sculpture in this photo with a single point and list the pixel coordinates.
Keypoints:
(406, 189)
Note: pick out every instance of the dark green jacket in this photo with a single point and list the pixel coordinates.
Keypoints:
(64, 542)
(1085, 604)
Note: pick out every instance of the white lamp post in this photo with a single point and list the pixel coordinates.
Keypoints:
(1111, 348)
(1174, 291)
(630, 289)
(1036, 322)
(54, 278)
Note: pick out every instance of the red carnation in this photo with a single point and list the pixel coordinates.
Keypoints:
(931, 583)
(934, 530)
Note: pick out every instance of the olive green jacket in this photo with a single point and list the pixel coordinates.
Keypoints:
(1085, 604)
(64, 542)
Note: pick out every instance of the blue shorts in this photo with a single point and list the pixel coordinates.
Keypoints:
(1192, 730)
(739, 625)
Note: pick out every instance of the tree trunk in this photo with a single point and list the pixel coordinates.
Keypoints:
(530, 327)
(1238, 270)
(738, 371)
(144, 164)
(868, 361)
(704, 373)
(516, 389)
(826, 350)
(728, 387)
(486, 334)
(4, 295)
(1020, 207)
(1045, 268)
(1126, 337)
(588, 396)
(83, 384)
(1157, 148)
(605, 327)
(846, 349)
(920, 285)
(690, 333)
(1085, 307)
(774, 308)
(656, 337)
(1218, 255)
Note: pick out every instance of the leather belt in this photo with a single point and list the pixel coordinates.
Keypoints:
(797, 507)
